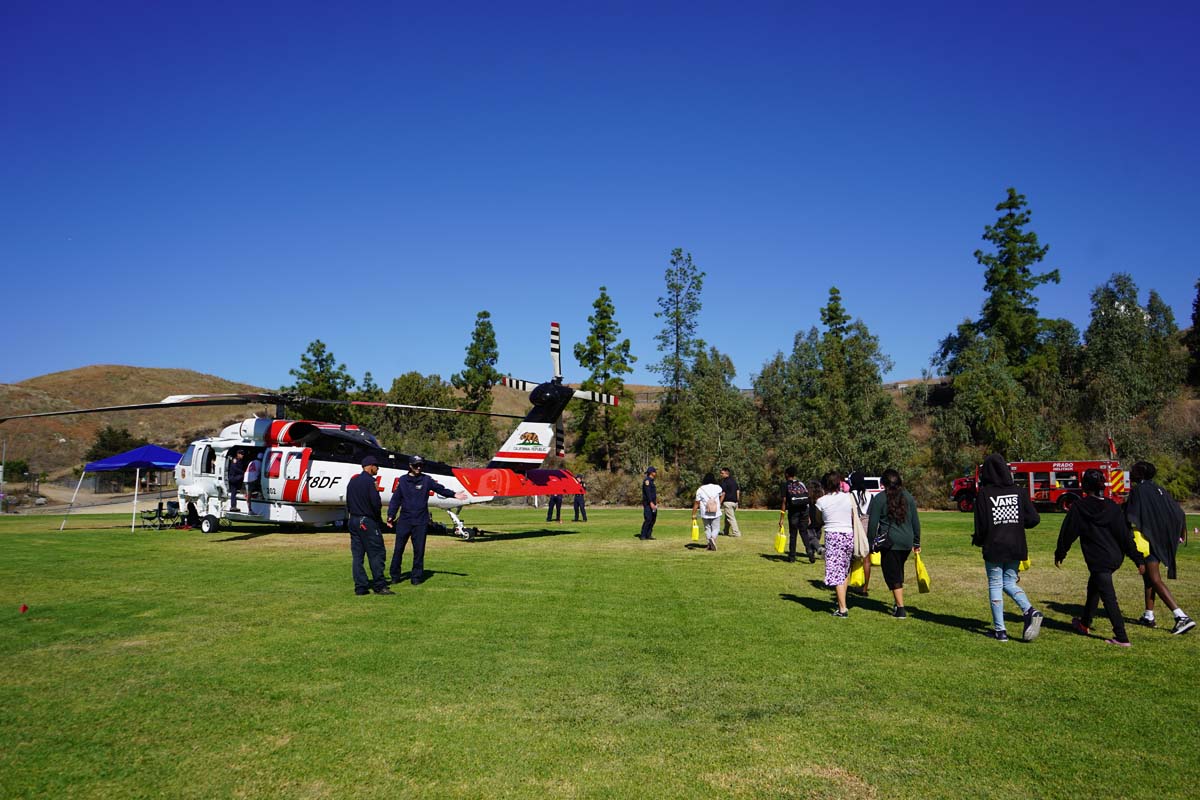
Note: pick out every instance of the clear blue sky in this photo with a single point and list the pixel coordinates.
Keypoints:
(214, 185)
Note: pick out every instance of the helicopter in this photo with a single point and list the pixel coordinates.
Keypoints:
(305, 465)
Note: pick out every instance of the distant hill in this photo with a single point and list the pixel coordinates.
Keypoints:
(57, 443)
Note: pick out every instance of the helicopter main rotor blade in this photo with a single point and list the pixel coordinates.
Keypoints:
(374, 404)
(174, 401)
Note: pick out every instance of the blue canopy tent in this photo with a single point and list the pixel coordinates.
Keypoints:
(146, 457)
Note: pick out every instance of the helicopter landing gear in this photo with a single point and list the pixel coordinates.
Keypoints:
(209, 524)
(459, 530)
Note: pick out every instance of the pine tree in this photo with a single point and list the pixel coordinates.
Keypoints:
(322, 378)
(600, 429)
(1009, 314)
(679, 309)
(476, 381)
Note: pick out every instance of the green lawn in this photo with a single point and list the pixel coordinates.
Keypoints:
(570, 662)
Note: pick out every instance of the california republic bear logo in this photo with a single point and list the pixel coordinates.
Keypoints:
(530, 437)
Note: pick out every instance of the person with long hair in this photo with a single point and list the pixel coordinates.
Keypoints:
(836, 507)
(894, 512)
(862, 505)
(1151, 510)
(1002, 514)
(1106, 540)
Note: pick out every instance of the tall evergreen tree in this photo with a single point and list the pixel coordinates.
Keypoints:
(476, 380)
(606, 356)
(321, 377)
(1009, 313)
(679, 309)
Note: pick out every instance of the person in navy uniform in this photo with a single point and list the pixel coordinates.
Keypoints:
(236, 475)
(579, 507)
(554, 508)
(411, 499)
(363, 505)
(649, 504)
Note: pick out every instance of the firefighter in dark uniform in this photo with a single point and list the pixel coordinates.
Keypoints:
(411, 499)
(649, 504)
(236, 474)
(579, 504)
(363, 505)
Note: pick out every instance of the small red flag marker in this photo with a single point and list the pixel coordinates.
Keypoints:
(24, 608)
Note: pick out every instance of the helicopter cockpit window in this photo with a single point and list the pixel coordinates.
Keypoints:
(208, 461)
(186, 459)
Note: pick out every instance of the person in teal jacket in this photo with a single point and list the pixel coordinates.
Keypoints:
(894, 512)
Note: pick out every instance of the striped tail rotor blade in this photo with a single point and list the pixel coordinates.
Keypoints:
(596, 397)
(560, 439)
(517, 383)
(556, 349)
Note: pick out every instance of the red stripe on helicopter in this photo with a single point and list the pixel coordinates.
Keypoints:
(496, 482)
(520, 456)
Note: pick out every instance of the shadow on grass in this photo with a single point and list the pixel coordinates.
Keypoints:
(784, 559)
(489, 536)
(257, 533)
(1076, 610)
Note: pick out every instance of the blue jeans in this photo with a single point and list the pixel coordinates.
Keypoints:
(1002, 580)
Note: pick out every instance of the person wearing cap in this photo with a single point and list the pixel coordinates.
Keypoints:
(411, 500)
(649, 504)
(363, 506)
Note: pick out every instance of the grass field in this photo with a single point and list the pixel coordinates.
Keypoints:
(570, 662)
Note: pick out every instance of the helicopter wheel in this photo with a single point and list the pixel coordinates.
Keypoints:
(209, 524)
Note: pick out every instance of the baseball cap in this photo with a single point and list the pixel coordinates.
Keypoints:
(651, 469)
(370, 461)
(416, 461)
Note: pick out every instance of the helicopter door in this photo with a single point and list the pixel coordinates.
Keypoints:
(272, 473)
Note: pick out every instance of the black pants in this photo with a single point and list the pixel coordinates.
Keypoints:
(409, 529)
(1100, 587)
(365, 539)
(235, 485)
(580, 510)
(892, 562)
(554, 508)
(798, 528)
(649, 517)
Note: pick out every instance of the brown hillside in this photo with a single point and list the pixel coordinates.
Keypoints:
(57, 443)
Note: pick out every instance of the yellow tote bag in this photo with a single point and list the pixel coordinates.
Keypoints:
(1024, 565)
(780, 539)
(1140, 543)
(922, 575)
(857, 573)
(695, 530)
(876, 559)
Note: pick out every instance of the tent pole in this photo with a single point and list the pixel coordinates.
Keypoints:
(82, 475)
(137, 478)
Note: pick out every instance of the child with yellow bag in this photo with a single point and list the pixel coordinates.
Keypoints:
(894, 530)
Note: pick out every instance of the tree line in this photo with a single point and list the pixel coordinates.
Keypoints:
(1007, 380)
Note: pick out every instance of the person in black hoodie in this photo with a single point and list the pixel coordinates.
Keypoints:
(1099, 525)
(1002, 513)
(1151, 510)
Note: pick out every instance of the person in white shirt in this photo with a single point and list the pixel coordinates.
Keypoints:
(836, 508)
(708, 505)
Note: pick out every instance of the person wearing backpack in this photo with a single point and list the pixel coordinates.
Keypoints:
(795, 508)
(708, 505)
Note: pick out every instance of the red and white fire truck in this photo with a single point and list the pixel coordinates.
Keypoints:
(1051, 484)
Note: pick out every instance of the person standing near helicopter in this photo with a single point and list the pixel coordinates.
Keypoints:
(363, 505)
(411, 500)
